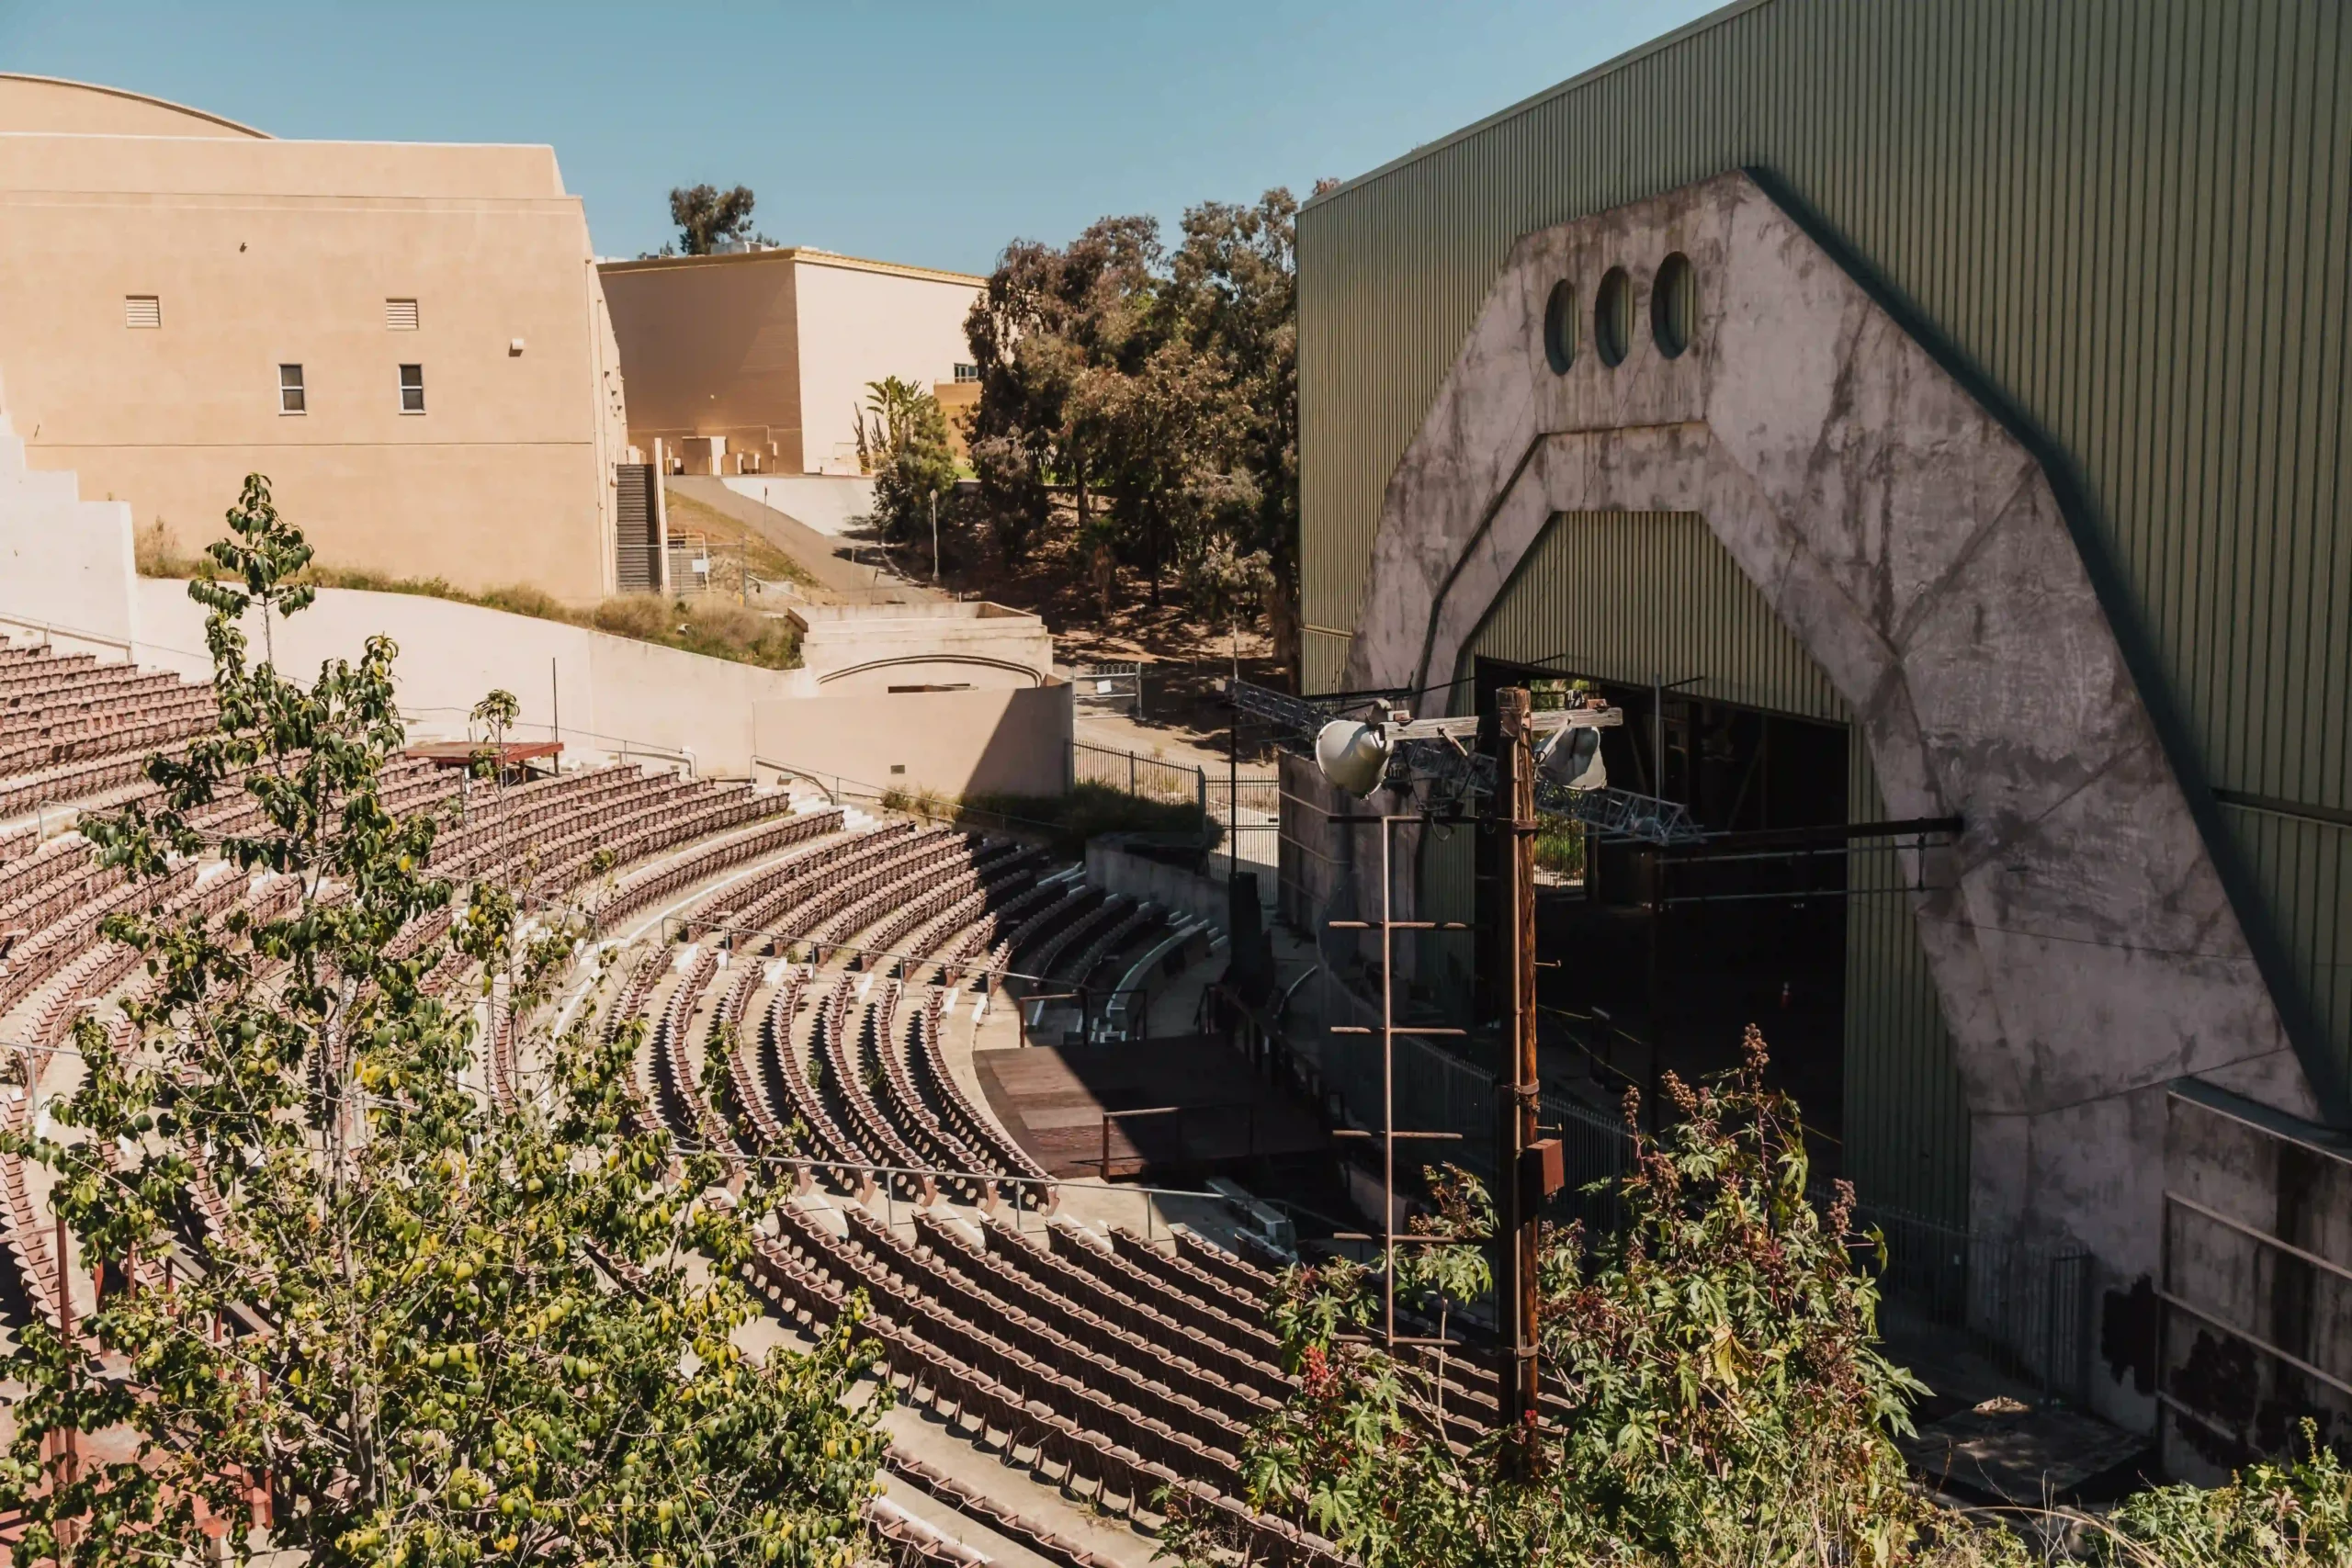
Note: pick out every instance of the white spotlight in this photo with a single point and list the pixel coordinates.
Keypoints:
(1571, 759)
(1354, 756)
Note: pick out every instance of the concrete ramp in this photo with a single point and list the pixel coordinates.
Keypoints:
(828, 556)
(835, 504)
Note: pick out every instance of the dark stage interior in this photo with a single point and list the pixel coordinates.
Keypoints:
(1661, 960)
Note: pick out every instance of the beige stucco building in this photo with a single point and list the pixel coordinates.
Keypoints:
(757, 361)
(408, 339)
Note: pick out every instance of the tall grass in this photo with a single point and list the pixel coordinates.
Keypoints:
(706, 625)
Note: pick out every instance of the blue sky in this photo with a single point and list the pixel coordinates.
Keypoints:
(930, 133)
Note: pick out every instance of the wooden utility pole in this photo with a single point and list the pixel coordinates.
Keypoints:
(1520, 1182)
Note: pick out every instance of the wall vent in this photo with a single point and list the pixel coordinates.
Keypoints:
(141, 311)
(399, 315)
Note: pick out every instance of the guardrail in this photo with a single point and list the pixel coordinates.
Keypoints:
(52, 628)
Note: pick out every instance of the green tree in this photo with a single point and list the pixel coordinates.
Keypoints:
(1165, 429)
(430, 1328)
(1724, 1399)
(1164, 384)
(902, 441)
(1235, 278)
(708, 217)
(1050, 318)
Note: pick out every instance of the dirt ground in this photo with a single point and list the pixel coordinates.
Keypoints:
(1184, 657)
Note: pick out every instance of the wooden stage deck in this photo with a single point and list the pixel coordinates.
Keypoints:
(1210, 1111)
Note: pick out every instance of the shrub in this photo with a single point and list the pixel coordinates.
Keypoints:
(2299, 1515)
(1726, 1400)
(701, 625)
(1091, 810)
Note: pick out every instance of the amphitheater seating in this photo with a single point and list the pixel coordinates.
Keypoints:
(996, 1515)
(72, 727)
(824, 965)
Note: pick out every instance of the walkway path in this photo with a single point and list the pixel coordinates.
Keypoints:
(826, 558)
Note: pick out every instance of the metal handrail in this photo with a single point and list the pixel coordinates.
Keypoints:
(53, 628)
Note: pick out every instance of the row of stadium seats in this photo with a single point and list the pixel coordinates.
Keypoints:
(876, 1100)
(72, 727)
(905, 904)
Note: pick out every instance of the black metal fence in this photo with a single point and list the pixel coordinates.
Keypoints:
(2023, 1305)
(1152, 778)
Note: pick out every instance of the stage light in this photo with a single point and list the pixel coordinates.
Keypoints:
(1571, 759)
(1354, 756)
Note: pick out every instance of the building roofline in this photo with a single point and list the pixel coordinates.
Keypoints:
(1665, 40)
(806, 255)
(238, 126)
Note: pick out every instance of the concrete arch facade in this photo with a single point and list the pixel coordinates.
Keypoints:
(990, 671)
(2087, 946)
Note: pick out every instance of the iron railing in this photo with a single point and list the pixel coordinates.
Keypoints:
(2026, 1306)
(1250, 809)
(1148, 778)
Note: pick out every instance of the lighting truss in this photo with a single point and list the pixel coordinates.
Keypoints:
(1430, 761)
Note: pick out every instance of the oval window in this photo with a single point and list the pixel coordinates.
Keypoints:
(1560, 327)
(1613, 317)
(1674, 304)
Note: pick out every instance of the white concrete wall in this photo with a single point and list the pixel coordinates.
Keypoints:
(65, 563)
(603, 694)
(1109, 866)
(607, 695)
(859, 325)
(873, 647)
(956, 744)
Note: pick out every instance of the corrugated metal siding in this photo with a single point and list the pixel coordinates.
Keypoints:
(1645, 596)
(1640, 596)
(2135, 218)
(1905, 1112)
(2304, 870)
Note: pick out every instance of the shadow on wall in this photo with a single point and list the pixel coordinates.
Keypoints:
(1009, 740)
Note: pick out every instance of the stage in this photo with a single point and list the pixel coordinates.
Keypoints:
(1171, 1109)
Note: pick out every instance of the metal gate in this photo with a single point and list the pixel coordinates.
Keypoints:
(1110, 688)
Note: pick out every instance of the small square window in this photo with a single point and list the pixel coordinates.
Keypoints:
(399, 315)
(412, 388)
(141, 311)
(290, 389)
(967, 372)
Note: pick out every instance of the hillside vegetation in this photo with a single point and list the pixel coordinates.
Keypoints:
(706, 623)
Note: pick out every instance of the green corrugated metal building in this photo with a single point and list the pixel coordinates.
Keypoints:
(2128, 225)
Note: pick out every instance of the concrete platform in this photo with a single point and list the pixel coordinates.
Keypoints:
(1212, 1111)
